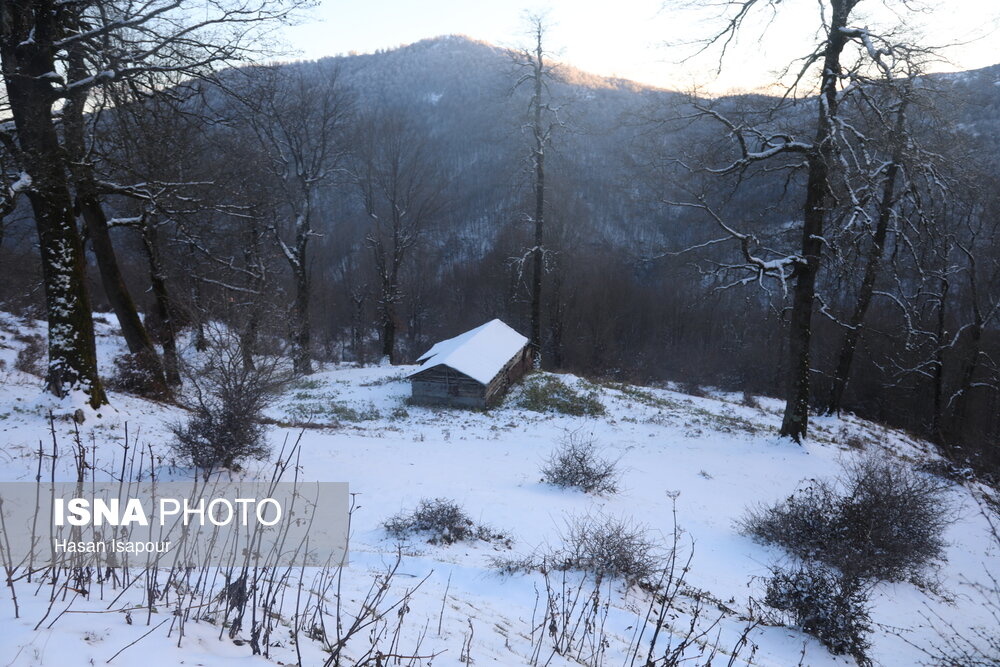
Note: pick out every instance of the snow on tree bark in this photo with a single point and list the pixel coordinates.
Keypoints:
(27, 32)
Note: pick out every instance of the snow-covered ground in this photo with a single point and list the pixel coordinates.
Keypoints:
(712, 457)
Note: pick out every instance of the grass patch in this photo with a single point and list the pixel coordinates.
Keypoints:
(645, 397)
(328, 409)
(379, 382)
(307, 384)
(547, 393)
(725, 423)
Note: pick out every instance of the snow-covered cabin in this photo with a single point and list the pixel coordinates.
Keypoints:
(473, 369)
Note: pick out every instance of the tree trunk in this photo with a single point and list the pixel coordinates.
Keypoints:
(198, 308)
(796, 418)
(538, 265)
(390, 295)
(537, 255)
(248, 342)
(357, 331)
(958, 415)
(389, 334)
(856, 323)
(140, 345)
(164, 308)
(937, 418)
(250, 332)
(302, 335)
(557, 322)
(200, 338)
(27, 56)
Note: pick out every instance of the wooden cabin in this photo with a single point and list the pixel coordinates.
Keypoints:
(472, 370)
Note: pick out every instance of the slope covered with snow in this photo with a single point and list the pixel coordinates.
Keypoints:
(703, 460)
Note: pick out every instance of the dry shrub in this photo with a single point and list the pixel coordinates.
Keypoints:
(748, 400)
(604, 546)
(442, 521)
(31, 358)
(692, 389)
(230, 396)
(132, 374)
(610, 546)
(853, 439)
(880, 520)
(577, 463)
(827, 605)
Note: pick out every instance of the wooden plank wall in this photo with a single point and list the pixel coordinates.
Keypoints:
(444, 386)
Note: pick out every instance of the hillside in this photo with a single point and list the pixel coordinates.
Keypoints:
(707, 457)
(462, 91)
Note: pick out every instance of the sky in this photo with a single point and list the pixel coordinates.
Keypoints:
(640, 39)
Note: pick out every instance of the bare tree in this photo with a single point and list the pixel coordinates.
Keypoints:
(87, 201)
(829, 161)
(973, 264)
(53, 51)
(535, 71)
(402, 192)
(902, 175)
(131, 141)
(300, 125)
(29, 35)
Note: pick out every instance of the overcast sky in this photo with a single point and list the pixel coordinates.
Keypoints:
(628, 38)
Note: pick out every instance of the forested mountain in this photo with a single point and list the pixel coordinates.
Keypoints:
(460, 93)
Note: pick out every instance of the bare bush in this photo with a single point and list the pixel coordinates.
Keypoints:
(577, 463)
(31, 358)
(827, 604)
(880, 520)
(947, 470)
(132, 375)
(605, 546)
(230, 396)
(443, 521)
(573, 611)
(610, 546)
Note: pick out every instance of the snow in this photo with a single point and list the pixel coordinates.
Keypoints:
(713, 455)
(22, 184)
(480, 353)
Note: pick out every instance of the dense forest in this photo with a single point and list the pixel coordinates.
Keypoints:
(833, 246)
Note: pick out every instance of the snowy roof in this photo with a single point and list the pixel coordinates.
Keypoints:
(480, 353)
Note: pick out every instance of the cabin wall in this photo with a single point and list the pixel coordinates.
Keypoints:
(513, 371)
(443, 386)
